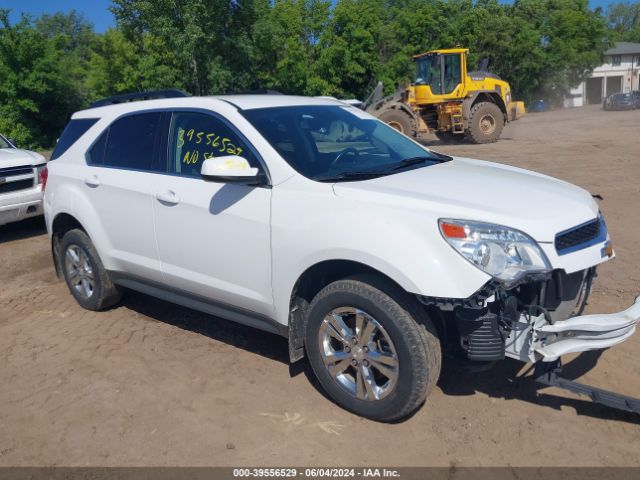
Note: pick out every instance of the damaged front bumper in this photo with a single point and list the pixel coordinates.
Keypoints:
(539, 320)
(537, 338)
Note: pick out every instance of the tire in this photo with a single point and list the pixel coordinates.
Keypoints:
(486, 122)
(399, 120)
(399, 331)
(86, 277)
(448, 137)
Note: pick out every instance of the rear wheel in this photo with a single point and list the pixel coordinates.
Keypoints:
(86, 277)
(399, 120)
(486, 121)
(372, 352)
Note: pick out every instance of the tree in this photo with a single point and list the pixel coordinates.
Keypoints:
(571, 41)
(288, 36)
(118, 66)
(55, 64)
(209, 40)
(624, 21)
(354, 47)
(37, 93)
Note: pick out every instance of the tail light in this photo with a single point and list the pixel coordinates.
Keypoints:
(43, 175)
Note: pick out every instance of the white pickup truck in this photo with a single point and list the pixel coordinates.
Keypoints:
(21, 182)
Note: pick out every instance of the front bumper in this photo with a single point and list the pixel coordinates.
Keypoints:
(20, 205)
(538, 338)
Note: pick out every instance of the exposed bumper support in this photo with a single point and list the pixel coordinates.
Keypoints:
(535, 338)
(583, 333)
(548, 374)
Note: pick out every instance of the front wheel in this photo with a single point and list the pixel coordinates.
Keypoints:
(373, 351)
(486, 122)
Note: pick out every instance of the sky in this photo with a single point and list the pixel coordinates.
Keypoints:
(97, 11)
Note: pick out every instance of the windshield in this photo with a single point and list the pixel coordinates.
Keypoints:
(4, 143)
(428, 73)
(333, 143)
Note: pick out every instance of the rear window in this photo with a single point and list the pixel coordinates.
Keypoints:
(130, 142)
(72, 132)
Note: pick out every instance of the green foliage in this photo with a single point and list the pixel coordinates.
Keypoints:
(624, 21)
(56, 64)
(117, 65)
(38, 89)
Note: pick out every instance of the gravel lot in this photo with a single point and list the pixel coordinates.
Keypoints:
(149, 383)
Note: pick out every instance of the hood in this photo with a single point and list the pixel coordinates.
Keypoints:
(16, 157)
(536, 204)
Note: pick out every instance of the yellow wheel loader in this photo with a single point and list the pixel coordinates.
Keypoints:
(448, 101)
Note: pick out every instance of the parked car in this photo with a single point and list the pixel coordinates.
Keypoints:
(311, 219)
(621, 101)
(539, 106)
(22, 178)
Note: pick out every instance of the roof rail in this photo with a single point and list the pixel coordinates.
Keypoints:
(130, 97)
(258, 91)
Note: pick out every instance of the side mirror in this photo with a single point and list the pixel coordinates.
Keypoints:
(229, 169)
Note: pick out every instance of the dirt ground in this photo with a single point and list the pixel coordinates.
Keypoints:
(149, 383)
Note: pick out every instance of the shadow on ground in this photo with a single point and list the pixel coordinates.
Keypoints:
(505, 380)
(31, 227)
(499, 380)
(247, 338)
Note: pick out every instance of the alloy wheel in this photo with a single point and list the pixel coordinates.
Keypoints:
(79, 271)
(358, 353)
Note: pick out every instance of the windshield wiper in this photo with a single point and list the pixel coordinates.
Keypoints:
(407, 162)
(351, 175)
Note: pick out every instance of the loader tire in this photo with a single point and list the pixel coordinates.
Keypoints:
(399, 120)
(485, 123)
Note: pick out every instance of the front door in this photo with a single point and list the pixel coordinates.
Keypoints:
(213, 238)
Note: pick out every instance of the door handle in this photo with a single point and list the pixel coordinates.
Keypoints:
(168, 198)
(92, 181)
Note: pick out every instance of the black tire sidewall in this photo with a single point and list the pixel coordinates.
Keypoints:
(396, 401)
(77, 238)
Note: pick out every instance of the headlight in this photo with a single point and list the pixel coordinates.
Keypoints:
(502, 252)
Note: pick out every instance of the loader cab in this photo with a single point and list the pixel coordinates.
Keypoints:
(439, 75)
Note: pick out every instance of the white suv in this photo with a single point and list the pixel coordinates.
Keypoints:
(309, 218)
(22, 178)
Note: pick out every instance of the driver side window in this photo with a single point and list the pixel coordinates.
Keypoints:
(195, 137)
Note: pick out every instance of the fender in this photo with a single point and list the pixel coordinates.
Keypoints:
(488, 95)
(379, 236)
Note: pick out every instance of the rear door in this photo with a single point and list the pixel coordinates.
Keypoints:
(117, 181)
(213, 238)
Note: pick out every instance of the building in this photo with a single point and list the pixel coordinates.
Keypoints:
(618, 75)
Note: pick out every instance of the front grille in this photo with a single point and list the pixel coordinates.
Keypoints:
(581, 236)
(15, 171)
(15, 186)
